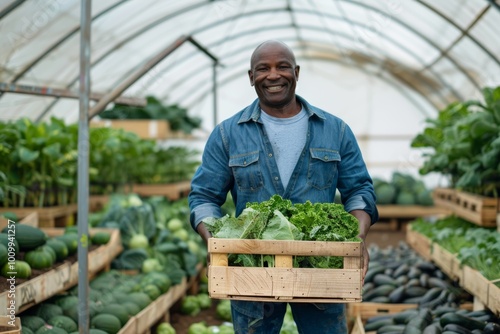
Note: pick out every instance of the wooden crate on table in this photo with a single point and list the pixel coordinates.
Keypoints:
(420, 243)
(480, 210)
(97, 202)
(54, 216)
(283, 282)
(61, 277)
(173, 191)
(392, 216)
(146, 129)
(367, 310)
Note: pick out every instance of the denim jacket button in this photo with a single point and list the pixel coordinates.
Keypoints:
(326, 158)
(276, 178)
(270, 155)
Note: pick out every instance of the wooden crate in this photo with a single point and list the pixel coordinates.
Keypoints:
(146, 129)
(445, 260)
(494, 297)
(9, 325)
(55, 216)
(62, 277)
(477, 209)
(476, 284)
(367, 310)
(283, 282)
(173, 191)
(97, 202)
(357, 326)
(420, 243)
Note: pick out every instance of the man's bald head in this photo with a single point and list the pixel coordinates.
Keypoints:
(268, 45)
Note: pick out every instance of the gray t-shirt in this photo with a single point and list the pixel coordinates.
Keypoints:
(288, 138)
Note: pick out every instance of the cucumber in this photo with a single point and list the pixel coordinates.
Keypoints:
(421, 320)
(433, 328)
(401, 270)
(464, 321)
(431, 294)
(372, 272)
(456, 329)
(382, 290)
(381, 299)
(415, 291)
(437, 282)
(404, 317)
(374, 326)
(491, 328)
(391, 329)
(383, 279)
(397, 295)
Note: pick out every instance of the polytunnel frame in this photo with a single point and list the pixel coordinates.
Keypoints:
(443, 52)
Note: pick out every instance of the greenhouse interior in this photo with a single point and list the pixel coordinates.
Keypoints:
(134, 196)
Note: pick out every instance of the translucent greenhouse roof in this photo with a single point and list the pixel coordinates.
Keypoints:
(383, 66)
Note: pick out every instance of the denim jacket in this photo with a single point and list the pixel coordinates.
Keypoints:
(238, 157)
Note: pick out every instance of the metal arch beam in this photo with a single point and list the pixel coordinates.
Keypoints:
(63, 39)
(384, 79)
(464, 32)
(159, 21)
(120, 44)
(403, 24)
(494, 4)
(10, 8)
(250, 32)
(242, 49)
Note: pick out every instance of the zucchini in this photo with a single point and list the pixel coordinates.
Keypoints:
(401, 280)
(381, 299)
(426, 266)
(391, 329)
(382, 279)
(382, 290)
(421, 320)
(375, 325)
(491, 328)
(437, 282)
(414, 272)
(423, 280)
(413, 282)
(397, 295)
(431, 294)
(433, 328)
(401, 270)
(439, 300)
(412, 330)
(415, 291)
(464, 321)
(405, 316)
(370, 274)
(456, 329)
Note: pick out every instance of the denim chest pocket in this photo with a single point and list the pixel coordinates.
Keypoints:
(247, 171)
(323, 167)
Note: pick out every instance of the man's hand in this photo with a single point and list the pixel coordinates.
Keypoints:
(364, 225)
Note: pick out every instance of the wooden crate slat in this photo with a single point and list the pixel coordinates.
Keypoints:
(49, 216)
(172, 191)
(284, 247)
(444, 260)
(494, 297)
(366, 310)
(420, 243)
(475, 283)
(293, 282)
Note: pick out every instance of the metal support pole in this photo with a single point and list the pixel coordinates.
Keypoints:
(111, 96)
(83, 169)
(214, 91)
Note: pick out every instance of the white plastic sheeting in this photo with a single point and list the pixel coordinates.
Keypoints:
(383, 66)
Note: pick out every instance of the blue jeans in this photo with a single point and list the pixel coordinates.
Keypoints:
(267, 318)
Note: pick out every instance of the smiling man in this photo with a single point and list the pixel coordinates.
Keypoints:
(281, 144)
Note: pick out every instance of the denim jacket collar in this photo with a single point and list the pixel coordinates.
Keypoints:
(252, 112)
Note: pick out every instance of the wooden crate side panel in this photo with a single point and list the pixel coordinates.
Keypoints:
(5, 323)
(147, 129)
(476, 284)
(444, 259)
(289, 282)
(358, 327)
(284, 247)
(367, 310)
(420, 243)
(494, 298)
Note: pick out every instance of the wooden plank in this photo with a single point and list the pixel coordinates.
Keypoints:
(443, 259)
(420, 243)
(475, 283)
(146, 129)
(284, 247)
(294, 282)
(6, 326)
(97, 202)
(60, 278)
(494, 297)
(172, 191)
(366, 310)
(49, 216)
(358, 327)
(410, 211)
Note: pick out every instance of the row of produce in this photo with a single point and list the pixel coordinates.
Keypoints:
(40, 162)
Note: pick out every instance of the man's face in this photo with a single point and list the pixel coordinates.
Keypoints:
(274, 74)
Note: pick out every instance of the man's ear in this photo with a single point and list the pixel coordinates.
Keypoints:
(297, 70)
(250, 76)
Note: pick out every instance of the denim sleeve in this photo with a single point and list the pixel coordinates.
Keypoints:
(211, 182)
(354, 183)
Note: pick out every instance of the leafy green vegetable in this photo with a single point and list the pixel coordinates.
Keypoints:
(279, 219)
